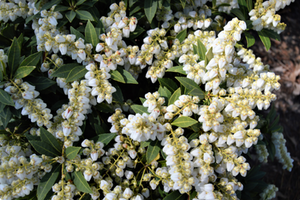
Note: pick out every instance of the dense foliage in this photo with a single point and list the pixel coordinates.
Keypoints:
(153, 99)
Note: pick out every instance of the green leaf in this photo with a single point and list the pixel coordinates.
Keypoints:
(144, 144)
(106, 137)
(139, 109)
(80, 182)
(47, 137)
(72, 152)
(84, 15)
(174, 96)
(131, 2)
(123, 76)
(201, 49)
(177, 69)
(77, 33)
(90, 34)
(271, 34)
(48, 181)
(40, 82)
(250, 39)
(164, 92)
(5, 98)
(32, 60)
(14, 55)
(175, 196)
(168, 83)
(249, 5)
(60, 8)
(150, 7)
(138, 31)
(70, 15)
(243, 7)
(64, 70)
(192, 87)
(6, 116)
(80, 2)
(193, 136)
(44, 148)
(23, 71)
(118, 96)
(181, 35)
(265, 39)
(237, 12)
(76, 74)
(184, 121)
(48, 5)
(153, 151)
(209, 56)
(183, 2)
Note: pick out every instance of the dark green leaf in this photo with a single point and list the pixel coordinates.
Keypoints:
(40, 82)
(48, 181)
(23, 71)
(152, 151)
(191, 86)
(168, 83)
(138, 31)
(131, 2)
(78, 3)
(80, 182)
(14, 55)
(60, 8)
(243, 7)
(201, 49)
(271, 150)
(177, 69)
(135, 9)
(32, 60)
(48, 5)
(183, 2)
(70, 15)
(144, 144)
(106, 137)
(271, 34)
(181, 35)
(6, 116)
(123, 76)
(164, 92)
(118, 96)
(237, 12)
(193, 136)
(249, 5)
(184, 122)
(90, 34)
(150, 7)
(175, 196)
(250, 39)
(84, 15)
(47, 137)
(77, 33)
(104, 107)
(64, 70)
(5, 98)
(1, 73)
(72, 152)
(76, 74)
(44, 148)
(139, 109)
(265, 39)
(174, 96)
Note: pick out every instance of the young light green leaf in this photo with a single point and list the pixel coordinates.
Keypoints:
(174, 96)
(72, 152)
(14, 55)
(117, 76)
(40, 82)
(181, 35)
(139, 109)
(77, 33)
(168, 83)
(150, 7)
(90, 34)
(250, 39)
(76, 74)
(70, 15)
(48, 138)
(106, 137)
(48, 181)
(80, 182)
(191, 86)
(44, 148)
(64, 70)
(5, 98)
(84, 15)
(153, 151)
(209, 55)
(32, 60)
(23, 71)
(265, 39)
(201, 49)
(177, 69)
(184, 122)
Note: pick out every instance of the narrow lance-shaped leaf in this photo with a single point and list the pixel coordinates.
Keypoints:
(47, 137)
(153, 150)
(23, 71)
(201, 49)
(139, 109)
(84, 15)
(175, 195)
(32, 60)
(48, 181)
(14, 55)
(150, 7)
(177, 69)
(72, 152)
(90, 34)
(64, 70)
(191, 86)
(5, 98)
(265, 39)
(106, 137)
(80, 182)
(44, 148)
(184, 121)
(181, 35)
(70, 15)
(76, 73)
(175, 96)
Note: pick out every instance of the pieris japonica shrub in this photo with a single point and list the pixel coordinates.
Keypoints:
(137, 99)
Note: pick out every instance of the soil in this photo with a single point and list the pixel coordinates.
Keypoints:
(284, 60)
